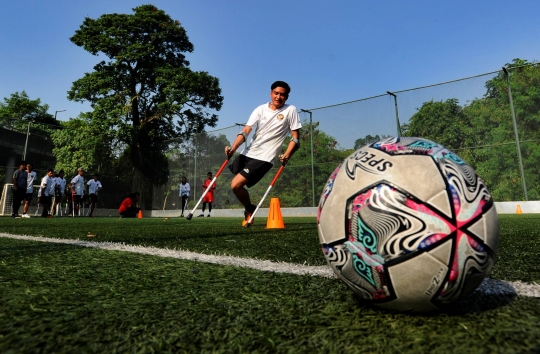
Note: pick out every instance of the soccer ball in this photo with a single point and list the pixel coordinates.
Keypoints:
(408, 225)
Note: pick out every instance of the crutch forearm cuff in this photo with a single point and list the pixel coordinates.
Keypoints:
(243, 134)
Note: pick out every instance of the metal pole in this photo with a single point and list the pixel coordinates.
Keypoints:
(312, 160)
(195, 169)
(516, 134)
(397, 114)
(55, 113)
(26, 142)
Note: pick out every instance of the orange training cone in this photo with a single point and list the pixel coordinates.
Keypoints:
(518, 209)
(140, 214)
(275, 220)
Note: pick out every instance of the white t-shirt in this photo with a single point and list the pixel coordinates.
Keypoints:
(62, 183)
(79, 184)
(46, 187)
(271, 129)
(93, 186)
(183, 190)
(30, 185)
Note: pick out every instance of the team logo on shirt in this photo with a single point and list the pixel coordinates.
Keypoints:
(280, 116)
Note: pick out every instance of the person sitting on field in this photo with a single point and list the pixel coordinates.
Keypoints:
(209, 197)
(128, 208)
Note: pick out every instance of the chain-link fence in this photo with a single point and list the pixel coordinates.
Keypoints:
(472, 116)
(491, 120)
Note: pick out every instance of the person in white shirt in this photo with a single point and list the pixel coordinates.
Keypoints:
(273, 121)
(59, 192)
(183, 194)
(32, 176)
(46, 192)
(94, 186)
(77, 191)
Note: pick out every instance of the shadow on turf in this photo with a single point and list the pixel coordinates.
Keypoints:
(491, 295)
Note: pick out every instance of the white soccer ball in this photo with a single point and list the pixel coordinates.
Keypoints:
(408, 225)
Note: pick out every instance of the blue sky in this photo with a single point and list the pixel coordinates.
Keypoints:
(328, 51)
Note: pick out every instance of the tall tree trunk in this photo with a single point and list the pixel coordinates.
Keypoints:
(144, 186)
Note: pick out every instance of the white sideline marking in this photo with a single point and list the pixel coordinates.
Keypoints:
(489, 286)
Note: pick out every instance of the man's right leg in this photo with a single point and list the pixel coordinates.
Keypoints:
(237, 186)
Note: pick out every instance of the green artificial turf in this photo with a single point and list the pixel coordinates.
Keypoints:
(297, 243)
(65, 299)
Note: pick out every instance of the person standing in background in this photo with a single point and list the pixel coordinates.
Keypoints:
(59, 191)
(46, 193)
(183, 194)
(94, 186)
(77, 192)
(20, 182)
(208, 197)
(29, 189)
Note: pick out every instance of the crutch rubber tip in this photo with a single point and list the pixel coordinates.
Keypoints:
(189, 216)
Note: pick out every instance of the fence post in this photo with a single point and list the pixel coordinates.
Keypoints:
(397, 113)
(516, 133)
(312, 162)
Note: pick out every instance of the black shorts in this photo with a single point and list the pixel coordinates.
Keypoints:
(93, 198)
(76, 198)
(29, 197)
(252, 169)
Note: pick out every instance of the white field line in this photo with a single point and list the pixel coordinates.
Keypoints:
(489, 286)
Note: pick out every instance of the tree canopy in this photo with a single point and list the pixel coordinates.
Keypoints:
(18, 109)
(482, 131)
(145, 89)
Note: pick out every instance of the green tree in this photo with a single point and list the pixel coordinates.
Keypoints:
(295, 187)
(18, 110)
(443, 121)
(145, 87)
(84, 142)
(496, 156)
(193, 158)
(368, 139)
(482, 132)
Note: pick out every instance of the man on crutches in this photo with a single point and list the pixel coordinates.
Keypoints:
(273, 121)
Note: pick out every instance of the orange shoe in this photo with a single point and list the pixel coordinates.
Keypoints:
(247, 216)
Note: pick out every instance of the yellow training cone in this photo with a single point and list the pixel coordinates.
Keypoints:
(518, 209)
(275, 220)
